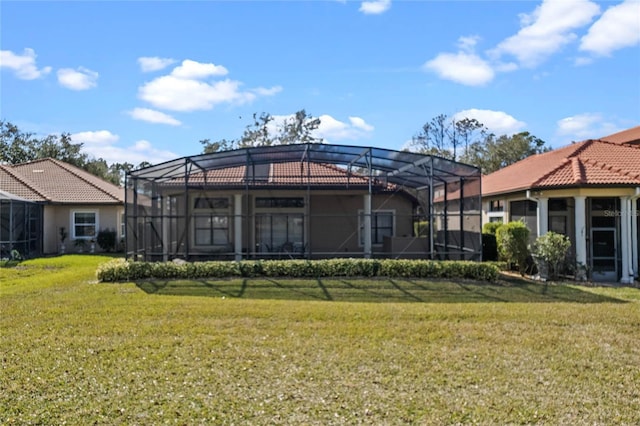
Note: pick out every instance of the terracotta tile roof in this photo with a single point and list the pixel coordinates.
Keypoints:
(54, 181)
(285, 174)
(630, 137)
(592, 162)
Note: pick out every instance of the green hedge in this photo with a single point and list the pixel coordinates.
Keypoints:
(124, 270)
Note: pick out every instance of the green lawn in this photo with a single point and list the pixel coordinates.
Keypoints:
(329, 351)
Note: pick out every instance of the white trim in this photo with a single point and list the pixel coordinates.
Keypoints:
(72, 221)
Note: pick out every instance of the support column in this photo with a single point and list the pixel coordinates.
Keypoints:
(237, 226)
(625, 236)
(581, 238)
(367, 226)
(164, 211)
(543, 216)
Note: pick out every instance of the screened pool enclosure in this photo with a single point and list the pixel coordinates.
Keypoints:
(20, 227)
(306, 201)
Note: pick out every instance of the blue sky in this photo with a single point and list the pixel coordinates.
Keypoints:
(146, 81)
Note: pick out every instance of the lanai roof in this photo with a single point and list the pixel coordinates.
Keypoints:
(395, 167)
(611, 160)
(53, 181)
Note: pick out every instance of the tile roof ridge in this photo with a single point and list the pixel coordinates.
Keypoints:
(25, 181)
(82, 175)
(579, 175)
(583, 145)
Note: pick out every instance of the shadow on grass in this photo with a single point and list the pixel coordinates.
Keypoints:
(382, 290)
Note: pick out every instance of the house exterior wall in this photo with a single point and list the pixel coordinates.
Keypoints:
(330, 221)
(334, 221)
(58, 216)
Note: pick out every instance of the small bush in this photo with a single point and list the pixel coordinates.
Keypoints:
(489, 247)
(549, 252)
(512, 239)
(491, 227)
(107, 240)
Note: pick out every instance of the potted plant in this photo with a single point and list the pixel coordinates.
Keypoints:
(63, 237)
(80, 245)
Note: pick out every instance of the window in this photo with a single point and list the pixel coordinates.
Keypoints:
(381, 225)
(84, 224)
(211, 203)
(279, 202)
(557, 204)
(279, 232)
(496, 206)
(123, 225)
(211, 230)
(496, 219)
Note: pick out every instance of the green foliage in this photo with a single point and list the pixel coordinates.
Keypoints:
(297, 128)
(493, 153)
(489, 247)
(550, 251)
(491, 227)
(512, 239)
(123, 270)
(421, 228)
(107, 239)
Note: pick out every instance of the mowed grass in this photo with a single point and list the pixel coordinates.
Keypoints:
(317, 352)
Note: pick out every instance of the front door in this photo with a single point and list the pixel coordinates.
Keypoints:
(604, 261)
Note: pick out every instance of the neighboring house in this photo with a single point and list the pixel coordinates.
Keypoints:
(67, 197)
(304, 200)
(588, 191)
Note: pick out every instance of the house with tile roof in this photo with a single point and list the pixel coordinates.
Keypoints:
(588, 190)
(302, 201)
(69, 198)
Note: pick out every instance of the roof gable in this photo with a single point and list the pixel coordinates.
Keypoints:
(592, 162)
(55, 181)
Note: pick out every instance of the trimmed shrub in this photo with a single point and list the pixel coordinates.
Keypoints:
(549, 252)
(512, 239)
(107, 240)
(489, 247)
(491, 227)
(124, 270)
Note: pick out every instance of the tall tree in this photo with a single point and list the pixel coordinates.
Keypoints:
(17, 147)
(263, 132)
(443, 136)
(494, 153)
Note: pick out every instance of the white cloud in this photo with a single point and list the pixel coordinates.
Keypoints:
(148, 64)
(331, 129)
(546, 30)
(196, 70)
(177, 94)
(462, 67)
(468, 43)
(585, 126)
(617, 28)
(185, 89)
(80, 79)
(24, 66)
(498, 122)
(375, 7)
(103, 144)
(263, 91)
(95, 137)
(153, 116)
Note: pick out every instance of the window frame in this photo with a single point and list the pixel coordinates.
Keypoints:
(96, 224)
(374, 228)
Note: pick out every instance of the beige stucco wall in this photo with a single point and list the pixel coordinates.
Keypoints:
(57, 216)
